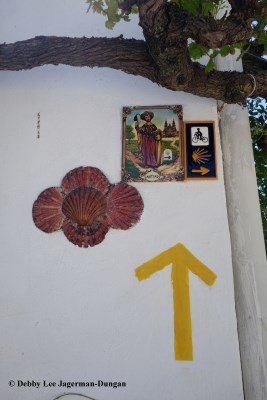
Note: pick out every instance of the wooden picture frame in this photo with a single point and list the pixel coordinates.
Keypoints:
(200, 156)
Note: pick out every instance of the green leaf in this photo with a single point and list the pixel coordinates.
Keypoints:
(214, 53)
(112, 13)
(239, 45)
(109, 24)
(210, 66)
(225, 50)
(192, 6)
(201, 7)
(112, 10)
(232, 50)
(207, 7)
(134, 9)
(196, 51)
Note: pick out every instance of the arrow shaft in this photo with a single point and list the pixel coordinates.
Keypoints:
(183, 347)
(196, 170)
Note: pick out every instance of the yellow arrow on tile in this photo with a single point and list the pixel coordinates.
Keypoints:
(202, 170)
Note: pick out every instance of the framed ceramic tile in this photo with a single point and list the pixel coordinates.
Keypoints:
(153, 144)
(200, 153)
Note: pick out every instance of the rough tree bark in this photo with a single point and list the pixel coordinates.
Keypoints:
(162, 57)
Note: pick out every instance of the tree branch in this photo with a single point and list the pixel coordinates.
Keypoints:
(163, 26)
(206, 31)
(232, 87)
(130, 56)
(216, 33)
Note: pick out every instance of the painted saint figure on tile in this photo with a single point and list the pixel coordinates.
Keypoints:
(152, 144)
(149, 139)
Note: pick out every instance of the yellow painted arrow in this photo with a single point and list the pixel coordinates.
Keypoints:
(202, 170)
(182, 261)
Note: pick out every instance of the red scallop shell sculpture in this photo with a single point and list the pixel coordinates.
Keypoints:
(123, 206)
(86, 205)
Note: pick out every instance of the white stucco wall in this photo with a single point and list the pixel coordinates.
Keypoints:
(80, 314)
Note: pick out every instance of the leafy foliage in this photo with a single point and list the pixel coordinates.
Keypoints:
(132, 168)
(196, 51)
(204, 8)
(129, 131)
(110, 9)
(257, 110)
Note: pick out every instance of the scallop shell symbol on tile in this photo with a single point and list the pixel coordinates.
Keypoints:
(201, 156)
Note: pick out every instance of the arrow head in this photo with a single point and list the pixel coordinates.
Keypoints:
(204, 170)
(180, 257)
